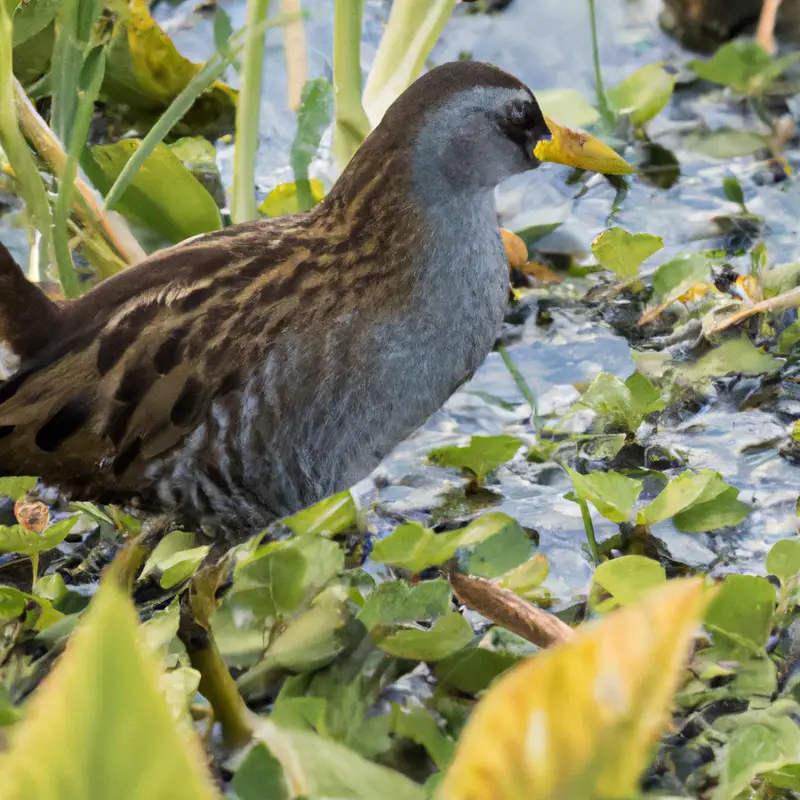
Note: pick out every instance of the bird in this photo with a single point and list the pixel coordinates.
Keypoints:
(244, 374)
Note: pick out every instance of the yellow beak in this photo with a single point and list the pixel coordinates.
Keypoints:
(580, 150)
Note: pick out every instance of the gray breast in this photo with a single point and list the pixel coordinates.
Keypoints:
(297, 433)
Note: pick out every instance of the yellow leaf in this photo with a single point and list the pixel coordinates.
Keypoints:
(99, 726)
(579, 721)
(285, 198)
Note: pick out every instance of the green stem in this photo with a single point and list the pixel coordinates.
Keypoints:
(13, 143)
(588, 526)
(243, 199)
(524, 389)
(351, 126)
(602, 99)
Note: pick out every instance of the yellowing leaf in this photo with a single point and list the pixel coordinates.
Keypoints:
(580, 720)
(285, 199)
(103, 722)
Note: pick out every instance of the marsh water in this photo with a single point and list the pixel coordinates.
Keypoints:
(547, 43)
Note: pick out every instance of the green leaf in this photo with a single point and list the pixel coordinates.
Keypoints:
(680, 494)
(180, 566)
(13, 603)
(627, 579)
(223, 30)
(173, 543)
(623, 253)
(329, 517)
(743, 66)
(753, 750)
(675, 276)
(419, 725)
(163, 196)
(324, 769)
(501, 552)
(313, 117)
(448, 635)
(526, 578)
(789, 338)
(396, 601)
(472, 670)
(724, 143)
(31, 18)
(720, 511)
(16, 487)
(783, 559)
(482, 455)
(108, 674)
(285, 198)
(568, 107)
(612, 494)
(16, 539)
(280, 576)
(733, 190)
(644, 94)
(624, 403)
(734, 356)
(740, 615)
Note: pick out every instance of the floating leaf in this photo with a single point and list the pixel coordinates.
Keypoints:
(613, 682)
(740, 615)
(721, 509)
(644, 94)
(627, 579)
(482, 455)
(783, 559)
(734, 356)
(163, 196)
(568, 107)
(733, 190)
(624, 403)
(677, 275)
(612, 494)
(623, 253)
(108, 675)
(396, 601)
(501, 552)
(724, 143)
(526, 578)
(285, 198)
(448, 635)
(471, 670)
(16, 487)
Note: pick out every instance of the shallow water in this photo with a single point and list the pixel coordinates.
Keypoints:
(547, 44)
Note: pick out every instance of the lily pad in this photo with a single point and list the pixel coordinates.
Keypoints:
(623, 253)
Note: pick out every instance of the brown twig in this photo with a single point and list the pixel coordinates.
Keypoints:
(506, 608)
(38, 133)
(295, 52)
(785, 300)
(765, 35)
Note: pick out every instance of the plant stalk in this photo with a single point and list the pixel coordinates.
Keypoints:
(248, 114)
(588, 526)
(602, 98)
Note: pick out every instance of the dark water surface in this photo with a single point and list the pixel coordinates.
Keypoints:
(547, 43)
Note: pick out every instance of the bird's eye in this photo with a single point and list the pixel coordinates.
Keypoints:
(517, 112)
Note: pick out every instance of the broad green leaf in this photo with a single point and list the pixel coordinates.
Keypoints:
(783, 559)
(789, 337)
(31, 18)
(503, 551)
(720, 511)
(448, 635)
(16, 487)
(285, 198)
(51, 587)
(320, 769)
(612, 494)
(329, 517)
(163, 196)
(681, 493)
(145, 73)
(280, 576)
(753, 750)
(613, 682)
(174, 542)
(396, 601)
(526, 578)
(419, 725)
(743, 66)
(623, 253)
(482, 455)
(675, 276)
(180, 566)
(261, 776)
(41, 612)
(724, 143)
(108, 674)
(471, 670)
(313, 117)
(643, 95)
(624, 403)
(567, 107)
(739, 356)
(627, 579)
(740, 615)
(16, 539)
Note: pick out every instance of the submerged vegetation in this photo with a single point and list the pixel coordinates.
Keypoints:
(395, 642)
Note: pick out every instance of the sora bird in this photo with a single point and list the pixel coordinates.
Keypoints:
(245, 374)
